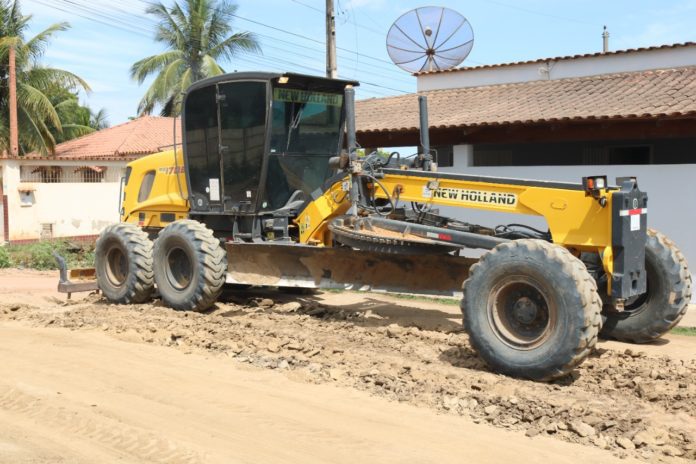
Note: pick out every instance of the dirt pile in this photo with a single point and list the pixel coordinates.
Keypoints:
(627, 402)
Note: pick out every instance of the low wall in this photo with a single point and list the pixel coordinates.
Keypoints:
(71, 209)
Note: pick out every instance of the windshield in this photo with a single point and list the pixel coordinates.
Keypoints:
(305, 122)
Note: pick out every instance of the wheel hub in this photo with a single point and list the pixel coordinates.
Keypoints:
(179, 268)
(525, 310)
(519, 313)
(116, 266)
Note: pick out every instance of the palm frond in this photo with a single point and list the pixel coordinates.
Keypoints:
(72, 131)
(211, 67)
(241, 41)
(36, 103)
(152, 64)
(99, 120)
(36, 46)
(35, 135)
(44, 78)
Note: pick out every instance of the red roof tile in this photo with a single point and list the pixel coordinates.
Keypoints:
(132, 139)
(648, 94)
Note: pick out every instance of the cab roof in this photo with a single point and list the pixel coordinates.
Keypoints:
(268, 76)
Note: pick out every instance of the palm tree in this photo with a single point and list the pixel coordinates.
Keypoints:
(36, 115)
(197, 34)
(76, 120)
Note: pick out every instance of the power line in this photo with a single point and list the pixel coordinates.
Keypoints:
(146, 30)
(352, 21)
(321, 42)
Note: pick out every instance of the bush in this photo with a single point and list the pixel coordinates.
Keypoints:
(39, 255)
(4, 258)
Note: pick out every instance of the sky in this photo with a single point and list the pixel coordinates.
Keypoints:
(107, 37)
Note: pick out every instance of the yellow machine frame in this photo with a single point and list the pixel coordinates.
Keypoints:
(575, 219)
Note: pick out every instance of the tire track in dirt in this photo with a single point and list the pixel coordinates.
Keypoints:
(79, 421)
(624, 401)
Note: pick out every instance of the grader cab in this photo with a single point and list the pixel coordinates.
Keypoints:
(268, 189)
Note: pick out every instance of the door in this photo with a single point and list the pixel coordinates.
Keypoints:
(242, 119)
(202, 158)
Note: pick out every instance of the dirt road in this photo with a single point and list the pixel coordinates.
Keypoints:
(84, 397)
(267, 377)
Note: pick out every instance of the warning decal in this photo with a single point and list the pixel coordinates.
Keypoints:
(476, 196)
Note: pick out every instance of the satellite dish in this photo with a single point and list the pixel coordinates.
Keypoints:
(429, 38)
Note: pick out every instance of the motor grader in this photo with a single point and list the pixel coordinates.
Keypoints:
(268, 188)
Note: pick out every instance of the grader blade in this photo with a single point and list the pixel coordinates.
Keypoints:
(315, 267)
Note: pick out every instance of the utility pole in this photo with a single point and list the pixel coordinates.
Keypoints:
(331, 68)
(14, 136)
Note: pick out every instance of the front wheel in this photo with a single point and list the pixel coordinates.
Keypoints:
(531, 309)
(190, 266)
(658, 310)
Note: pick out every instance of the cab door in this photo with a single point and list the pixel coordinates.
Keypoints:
(242, 144)
(202, 150)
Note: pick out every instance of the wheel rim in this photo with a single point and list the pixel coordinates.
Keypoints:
(520, 314)
(179, 268)
(116, 266)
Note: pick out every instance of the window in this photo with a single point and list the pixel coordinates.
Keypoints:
(444, 155)
(636, 154)
(594, 153)
(67, 174)
(146, 186)
(91, 174)
(305, 121)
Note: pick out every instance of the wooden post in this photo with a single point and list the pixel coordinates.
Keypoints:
(14, 134)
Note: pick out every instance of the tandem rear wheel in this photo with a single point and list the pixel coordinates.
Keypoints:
(531, 309)
(189, 265)
(657, 311)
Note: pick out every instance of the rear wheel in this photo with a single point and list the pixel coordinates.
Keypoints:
(657, 311)
(531, 309)
(190, 266)
(123, 262)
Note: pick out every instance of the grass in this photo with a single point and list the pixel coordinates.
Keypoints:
(690, 331)
(39, 255)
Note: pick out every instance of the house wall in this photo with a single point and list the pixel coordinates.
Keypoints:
(71, 209)
(671, 191)
(560, 69)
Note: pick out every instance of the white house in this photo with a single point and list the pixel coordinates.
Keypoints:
(75, 193)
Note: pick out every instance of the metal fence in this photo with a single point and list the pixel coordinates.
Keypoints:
(68, 174)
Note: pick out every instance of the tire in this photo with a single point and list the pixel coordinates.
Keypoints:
(531, 309)
(664, 304)
(190, 266)
(123, 262)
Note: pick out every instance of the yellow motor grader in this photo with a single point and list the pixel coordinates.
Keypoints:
(263, 192)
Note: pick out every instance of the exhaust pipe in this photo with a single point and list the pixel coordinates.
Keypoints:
(352, 144)
(425, 155)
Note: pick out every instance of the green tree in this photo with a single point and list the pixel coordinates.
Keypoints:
(76, 119)
(36, 114)
(198, 35)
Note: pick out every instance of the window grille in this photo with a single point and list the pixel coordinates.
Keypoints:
(68, 174)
